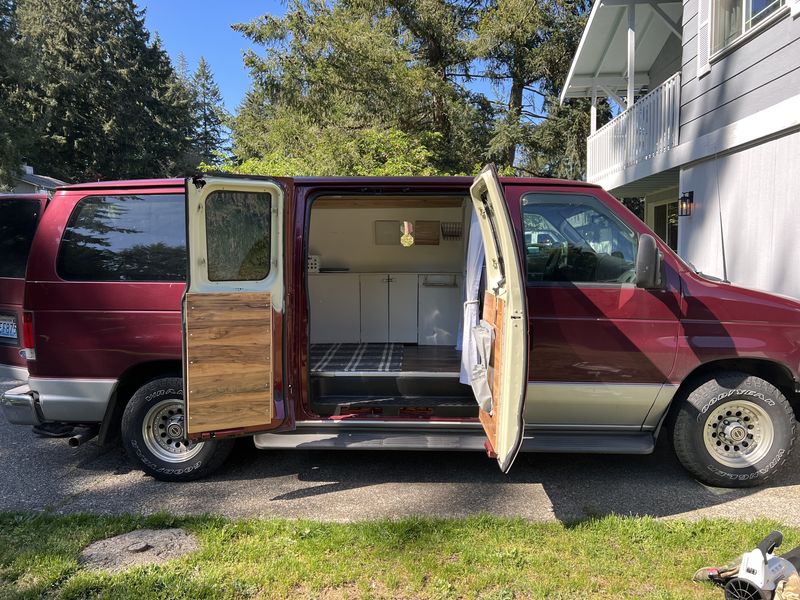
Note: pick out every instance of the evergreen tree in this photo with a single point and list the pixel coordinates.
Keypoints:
(344, 73)
(209, 115)
(16, 126)
(107, 96)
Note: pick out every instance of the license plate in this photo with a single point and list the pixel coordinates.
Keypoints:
(8, 327)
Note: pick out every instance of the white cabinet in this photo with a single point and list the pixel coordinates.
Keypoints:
(440, 306)
(374, 307)
(406, 308)
(334, 303)
(403, 308)
(389, 307)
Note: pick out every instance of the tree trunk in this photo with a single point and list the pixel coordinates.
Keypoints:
(514, 116)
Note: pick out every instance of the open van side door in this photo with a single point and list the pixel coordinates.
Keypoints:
(232, 308)
(505, 321)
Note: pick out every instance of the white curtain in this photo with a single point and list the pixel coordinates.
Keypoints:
(470, 317)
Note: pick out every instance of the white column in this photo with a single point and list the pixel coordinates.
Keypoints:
(631, 52)
(594, 109)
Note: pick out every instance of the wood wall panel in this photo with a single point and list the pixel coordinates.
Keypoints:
(493, 309)
(229, 356)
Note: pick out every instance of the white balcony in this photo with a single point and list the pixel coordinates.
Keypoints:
(646, 130)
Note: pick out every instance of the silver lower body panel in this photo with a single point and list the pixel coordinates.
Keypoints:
(73, 400)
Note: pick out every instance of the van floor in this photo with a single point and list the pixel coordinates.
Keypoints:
(383, 358)
(388, 380)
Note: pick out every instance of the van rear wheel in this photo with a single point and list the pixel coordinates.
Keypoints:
(734, 430)
(153, 435)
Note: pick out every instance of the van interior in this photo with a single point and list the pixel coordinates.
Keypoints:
(385, 312)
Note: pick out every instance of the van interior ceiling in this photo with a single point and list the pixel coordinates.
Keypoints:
(385, 287)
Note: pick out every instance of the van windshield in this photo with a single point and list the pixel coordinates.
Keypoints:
(18, 219)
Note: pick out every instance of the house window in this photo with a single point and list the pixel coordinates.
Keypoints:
(734, 18)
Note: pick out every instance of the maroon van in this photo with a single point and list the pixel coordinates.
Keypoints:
(395, 313)
(19, 216)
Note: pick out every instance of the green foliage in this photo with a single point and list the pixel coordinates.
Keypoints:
(349, 73)
(16, 137)
(295, 147)
(337, 76)
(208, 115)
(101, 99)
(479, 557)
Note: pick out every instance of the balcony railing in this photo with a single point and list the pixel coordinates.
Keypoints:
(648, 128)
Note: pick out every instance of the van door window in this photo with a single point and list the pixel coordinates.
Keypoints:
(238, 228)
(575, 238)
(125, 238)
(18, 220)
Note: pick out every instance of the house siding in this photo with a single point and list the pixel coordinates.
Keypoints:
(746, 200)
(667, 63)
(761, 72)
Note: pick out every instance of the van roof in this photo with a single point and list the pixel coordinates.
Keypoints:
(445, 180)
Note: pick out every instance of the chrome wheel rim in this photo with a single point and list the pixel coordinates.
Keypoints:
(739, 434)
(163, 432)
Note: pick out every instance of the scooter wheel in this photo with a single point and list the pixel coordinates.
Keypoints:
(741, 589)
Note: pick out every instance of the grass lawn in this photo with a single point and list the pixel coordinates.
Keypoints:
(481, 557)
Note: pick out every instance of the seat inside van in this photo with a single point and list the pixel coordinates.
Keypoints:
(385, 283)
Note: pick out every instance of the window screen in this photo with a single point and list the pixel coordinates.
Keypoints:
(238, 235)
(18, 219)
(125, 238)
(575, 238)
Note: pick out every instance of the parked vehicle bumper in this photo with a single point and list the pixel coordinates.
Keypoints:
(13, 373)
(19, 406)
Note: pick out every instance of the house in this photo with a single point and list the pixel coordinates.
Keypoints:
(710, 99)
(27, 182)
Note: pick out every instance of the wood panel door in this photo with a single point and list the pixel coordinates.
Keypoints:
(233, 307)
(504, 325)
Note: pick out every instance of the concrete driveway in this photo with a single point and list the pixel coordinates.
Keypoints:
(46, 474)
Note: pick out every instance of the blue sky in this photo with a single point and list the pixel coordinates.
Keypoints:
(202, 28)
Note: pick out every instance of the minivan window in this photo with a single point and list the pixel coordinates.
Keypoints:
(574, 238)
(18, 219)
(125, 238)
(238, 235)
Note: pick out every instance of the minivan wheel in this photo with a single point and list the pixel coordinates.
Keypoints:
(153, 435)
(734, 430)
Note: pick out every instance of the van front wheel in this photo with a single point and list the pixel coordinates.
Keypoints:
(153, 435)
(734, 430)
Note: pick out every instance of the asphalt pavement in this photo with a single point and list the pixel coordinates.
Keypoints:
(39, 474)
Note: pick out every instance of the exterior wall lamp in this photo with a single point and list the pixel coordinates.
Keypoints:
(685, 204)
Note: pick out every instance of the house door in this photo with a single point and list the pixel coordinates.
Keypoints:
(504, 327)
(233, 305)
(662, 218)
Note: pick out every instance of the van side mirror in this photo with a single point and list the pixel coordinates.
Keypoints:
(648, 263)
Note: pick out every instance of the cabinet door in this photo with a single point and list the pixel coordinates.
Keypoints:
(334, 300)
(374, 307)
(403, 308)
(440, 306)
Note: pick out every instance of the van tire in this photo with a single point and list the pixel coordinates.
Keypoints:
(758, 435)
(144, 421)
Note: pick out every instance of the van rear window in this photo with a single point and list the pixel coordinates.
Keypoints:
(125, 238)
(18, 219)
